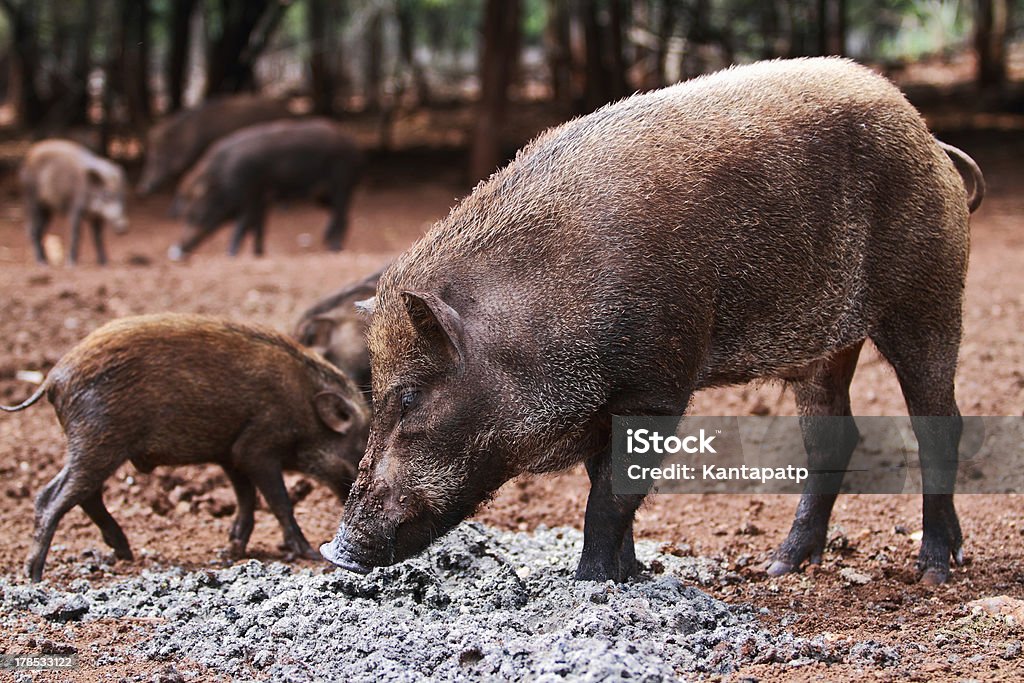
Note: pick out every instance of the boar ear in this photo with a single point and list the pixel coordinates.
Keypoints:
(335, 410)
(94, 177)
(437, 322)
(367, 306)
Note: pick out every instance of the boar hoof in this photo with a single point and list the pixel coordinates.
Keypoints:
(235, 550)
(780, 567)
(935, 576)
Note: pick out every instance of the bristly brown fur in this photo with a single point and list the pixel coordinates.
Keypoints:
(760, 222)
(177, 389)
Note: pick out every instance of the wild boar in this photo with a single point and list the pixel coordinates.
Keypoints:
(336, 329)
(176, 389)
(244, 173)
(60, 176)
(761, 222)
(176, 143)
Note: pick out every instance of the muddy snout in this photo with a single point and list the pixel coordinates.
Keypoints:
(344, 553)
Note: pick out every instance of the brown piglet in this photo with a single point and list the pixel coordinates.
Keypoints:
(175, 389)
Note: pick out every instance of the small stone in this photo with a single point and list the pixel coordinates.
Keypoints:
(65, 609)
(168, 674)
(855, 577)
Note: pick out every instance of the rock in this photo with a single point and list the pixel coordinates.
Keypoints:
(1000, 606)
(855, 577)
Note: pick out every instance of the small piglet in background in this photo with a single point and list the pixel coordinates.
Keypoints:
(174, 389)
(61, 176)
(336, 329)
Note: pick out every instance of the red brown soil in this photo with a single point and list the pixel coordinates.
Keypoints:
(181, 516)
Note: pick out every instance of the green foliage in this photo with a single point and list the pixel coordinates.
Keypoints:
(535, 20)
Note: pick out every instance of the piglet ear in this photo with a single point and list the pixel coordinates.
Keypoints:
(318, 331)
(438, 323)
(336, 411)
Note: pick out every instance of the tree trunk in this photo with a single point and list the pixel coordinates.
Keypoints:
(246, 28)
(616, 57)
(831, 16)
(177, 61)
(320, 72)
(499, 35)
(990, 28)
(143, 94)
(374, 60)
(597, 86)
(407, 49)
(68, 102)
(133, 66)
(23, 90)
(559, 52)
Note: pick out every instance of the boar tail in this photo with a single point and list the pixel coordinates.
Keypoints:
(977, 179)
(30, 400)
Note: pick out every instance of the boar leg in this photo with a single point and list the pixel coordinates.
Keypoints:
(830, 437)
(72, 486)
(96, 224)
(266, 474)
(241, 529)
(38, 219)
(252, 221)
(337, 226)
(925, 364)
(608, 551)
(76, 236)
(113, 535)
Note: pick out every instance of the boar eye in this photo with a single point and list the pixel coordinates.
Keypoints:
(408, 398)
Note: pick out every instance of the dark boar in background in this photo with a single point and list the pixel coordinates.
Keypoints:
(241, 175)
(761, 222)
(176, 143)
(176, 389)
(336, 329)
(63, 177)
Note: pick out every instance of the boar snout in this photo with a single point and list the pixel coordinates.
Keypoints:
(383, 524)
(341, 553)
(364, 541)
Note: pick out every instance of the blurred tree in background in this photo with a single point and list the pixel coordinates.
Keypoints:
(118, 64)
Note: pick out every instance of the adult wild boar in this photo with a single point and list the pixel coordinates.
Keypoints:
(336, 329)
(176, 389)
(61, 176)
(242, 174)
(761, 222)
(174, 144)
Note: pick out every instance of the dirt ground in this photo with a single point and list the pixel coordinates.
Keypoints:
(181, 517)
